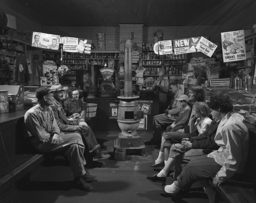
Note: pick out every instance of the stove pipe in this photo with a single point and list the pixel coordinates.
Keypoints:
(128, 69)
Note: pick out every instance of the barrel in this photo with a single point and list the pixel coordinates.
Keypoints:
(128, 110)
(4, 104)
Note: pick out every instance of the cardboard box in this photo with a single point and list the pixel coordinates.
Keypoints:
(16, 96)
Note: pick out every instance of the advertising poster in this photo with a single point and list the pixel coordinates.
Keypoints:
(184, 46)
(113, 110)
(206, 47)
(46, 41)
(49, 75)
(163, 47)
(145, 106)
(143, 123)
(233, 46)
(72, 44)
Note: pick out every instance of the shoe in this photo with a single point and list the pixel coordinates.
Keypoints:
(154, 178)
(158, 165)
(95, 164)
(172, 195)
(94, 148)
(88, 177)
(101, 156)
(81, 184)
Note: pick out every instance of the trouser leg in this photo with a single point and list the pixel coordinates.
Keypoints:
(160, 122)
(89, 137)
(175, 137)
(75, 154)
(72, 146)
(197, 169)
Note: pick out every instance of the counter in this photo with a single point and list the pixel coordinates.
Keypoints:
(11, 128)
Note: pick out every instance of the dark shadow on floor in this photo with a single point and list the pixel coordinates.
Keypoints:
(110, 186)
(101, 142)
(47, 186)
(58, 161)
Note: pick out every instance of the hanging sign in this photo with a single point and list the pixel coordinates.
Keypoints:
(206, 47)
(46, 41)
(233, 46)
(184, 46)
(72, 44)
(163, 47)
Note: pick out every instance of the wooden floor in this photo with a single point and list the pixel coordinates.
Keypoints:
(118, 181)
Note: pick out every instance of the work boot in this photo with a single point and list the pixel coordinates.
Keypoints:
(81, 184)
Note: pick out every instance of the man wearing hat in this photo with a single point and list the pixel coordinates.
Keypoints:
(178, 122)
(77, 125)
(45, 136)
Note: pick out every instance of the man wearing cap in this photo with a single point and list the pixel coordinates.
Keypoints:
(74, 106)
(76, 125)
(178, 122)
(46, 136)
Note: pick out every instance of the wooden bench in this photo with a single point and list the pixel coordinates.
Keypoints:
(242, 189)
(16, 157)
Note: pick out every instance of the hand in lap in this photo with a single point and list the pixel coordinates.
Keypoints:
(56, 139)
(83, 123)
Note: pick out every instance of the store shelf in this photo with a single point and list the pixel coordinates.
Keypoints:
(174, 59)
(74, 63)
(151, 65)
(49, 58)
(157, 75)
(147, 51)
(173, 64)
(105, 51)
(17, 50)
(78, 69)
(151, 59)
(74, 58)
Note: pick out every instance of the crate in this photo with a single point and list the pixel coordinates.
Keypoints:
(223, 82)
(90, 110)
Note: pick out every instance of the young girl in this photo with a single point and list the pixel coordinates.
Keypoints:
(200, 119)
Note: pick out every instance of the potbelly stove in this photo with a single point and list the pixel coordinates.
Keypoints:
(128, 116)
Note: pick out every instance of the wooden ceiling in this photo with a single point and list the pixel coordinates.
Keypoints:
(115, 12)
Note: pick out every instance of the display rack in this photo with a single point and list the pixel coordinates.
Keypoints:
(78, 63)
(9, 49)
(250, 44)
(153, 63)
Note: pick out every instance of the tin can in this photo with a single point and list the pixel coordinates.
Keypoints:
(4, 102)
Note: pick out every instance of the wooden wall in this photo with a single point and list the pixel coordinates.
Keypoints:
(243, 20)
(23, 23)
(172, 32)
(125, 33)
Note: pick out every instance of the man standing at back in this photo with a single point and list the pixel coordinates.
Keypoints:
(46, 136)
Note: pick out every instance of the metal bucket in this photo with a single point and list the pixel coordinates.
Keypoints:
(4, 103)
